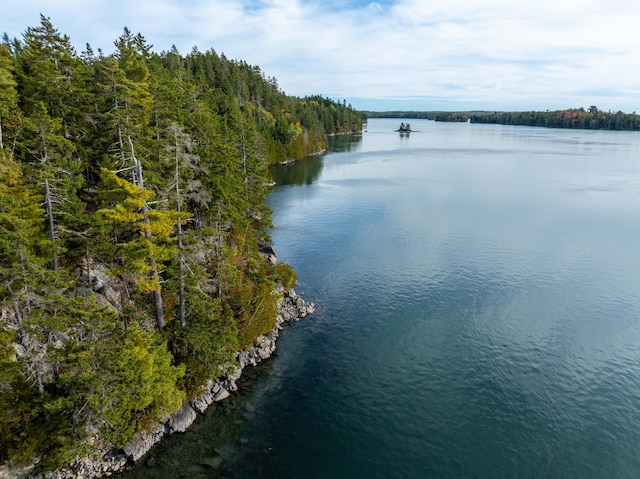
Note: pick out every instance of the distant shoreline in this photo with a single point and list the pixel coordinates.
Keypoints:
(574, 118)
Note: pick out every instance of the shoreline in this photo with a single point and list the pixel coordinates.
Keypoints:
(294, 160)
(291, 308)
(319, 152)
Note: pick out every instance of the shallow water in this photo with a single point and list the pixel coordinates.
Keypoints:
(478, 313)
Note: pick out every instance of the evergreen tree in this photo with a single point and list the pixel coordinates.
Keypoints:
(142, 235)
(10, 115)
(132, 191)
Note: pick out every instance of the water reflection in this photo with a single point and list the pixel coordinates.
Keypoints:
(300, 173)
(307, 171)
(478, 315)
(344, 143)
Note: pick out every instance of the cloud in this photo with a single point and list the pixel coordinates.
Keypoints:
(543, 54)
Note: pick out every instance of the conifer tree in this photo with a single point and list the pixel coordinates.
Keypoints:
(142, 235)
(48, 69)
(152, 169)
(10, 114)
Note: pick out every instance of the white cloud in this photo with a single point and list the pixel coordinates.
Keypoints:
(543, 54)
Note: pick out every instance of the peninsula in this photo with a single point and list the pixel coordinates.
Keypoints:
(135, 264)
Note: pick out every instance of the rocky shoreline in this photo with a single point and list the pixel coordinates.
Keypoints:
(292, 307)
(295, 160)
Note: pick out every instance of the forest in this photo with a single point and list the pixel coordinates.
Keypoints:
(132, 213)
(592, 118)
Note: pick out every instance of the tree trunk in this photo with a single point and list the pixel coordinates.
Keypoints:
(181, 298)
(52, 236)
(157, 292)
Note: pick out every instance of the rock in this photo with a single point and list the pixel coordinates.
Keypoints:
(202, 402)
(19, 349)
(242, 359)
(222, 394)
(98, 287)
(212, 462)
(234, 373)
(15, 472)
(180, 420)
(143, 442)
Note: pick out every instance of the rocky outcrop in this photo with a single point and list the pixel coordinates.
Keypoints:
(292, 307)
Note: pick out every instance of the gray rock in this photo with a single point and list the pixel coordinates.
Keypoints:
(215, 389)
(202, 402)
(220, 395)
(235, 373)
(180, 420)
(20, 351)
(143, 442)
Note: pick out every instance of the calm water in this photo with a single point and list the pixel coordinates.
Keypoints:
(478, 314)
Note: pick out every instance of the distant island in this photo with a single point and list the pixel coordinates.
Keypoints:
(592, 118)
(404, 128)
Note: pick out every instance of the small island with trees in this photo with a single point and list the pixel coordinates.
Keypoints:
(404, 129)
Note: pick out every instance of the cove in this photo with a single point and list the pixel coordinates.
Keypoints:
(477, 314)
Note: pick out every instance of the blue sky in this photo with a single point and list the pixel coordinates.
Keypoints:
(388, 55)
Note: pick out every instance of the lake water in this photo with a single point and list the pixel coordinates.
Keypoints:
(478, 314)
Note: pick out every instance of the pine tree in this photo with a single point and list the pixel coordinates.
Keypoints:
(48, 69)
(142, 235)
(151, 168)
(10, 115)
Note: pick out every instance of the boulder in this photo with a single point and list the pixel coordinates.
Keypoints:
(202, 402)
(144, 441)
(180, 420)
(221, 394)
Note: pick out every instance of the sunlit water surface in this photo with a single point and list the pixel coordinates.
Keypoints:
(478, 314)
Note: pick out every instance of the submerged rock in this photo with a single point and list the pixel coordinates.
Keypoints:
(212, 462)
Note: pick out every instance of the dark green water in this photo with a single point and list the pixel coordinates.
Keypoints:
(478, 314)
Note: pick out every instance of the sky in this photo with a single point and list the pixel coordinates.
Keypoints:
(453, 55)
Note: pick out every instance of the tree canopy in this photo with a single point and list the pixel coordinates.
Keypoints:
(132, 191)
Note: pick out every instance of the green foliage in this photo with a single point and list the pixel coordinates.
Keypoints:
(208, 340)
(76, 133)
(286, 275)
(10, 114)
(132, 226)
(32, 425)
(24, 248)
(50, 423)
(136, 384)
(592, 119)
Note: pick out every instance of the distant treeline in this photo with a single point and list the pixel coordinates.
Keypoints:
(593, 118)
